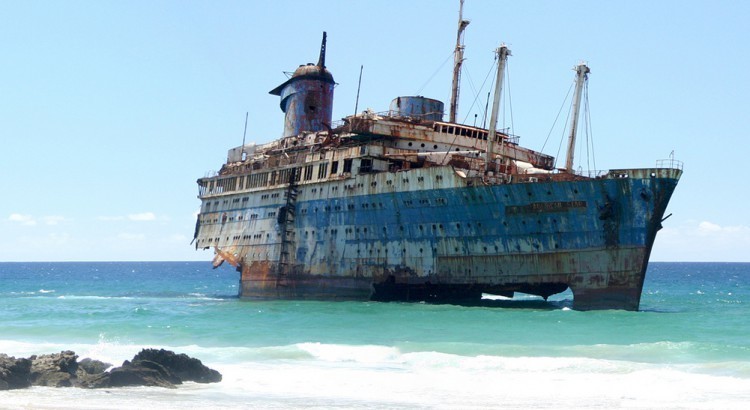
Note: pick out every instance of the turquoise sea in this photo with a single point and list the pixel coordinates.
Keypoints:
(688, 347)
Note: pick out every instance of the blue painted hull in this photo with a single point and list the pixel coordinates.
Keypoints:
(371, 241)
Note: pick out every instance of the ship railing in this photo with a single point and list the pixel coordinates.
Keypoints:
(464, 130)
(669, 163)
(592, 173)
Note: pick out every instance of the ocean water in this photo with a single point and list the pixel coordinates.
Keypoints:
(688, 347)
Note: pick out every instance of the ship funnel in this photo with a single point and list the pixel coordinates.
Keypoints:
(417, 107)
(307, 97)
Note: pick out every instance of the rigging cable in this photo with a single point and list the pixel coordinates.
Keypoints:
(476, 93)
(472, 105)
(510, 100)
(565, 127)
(419, 91)
(552, 128)
(589, 130)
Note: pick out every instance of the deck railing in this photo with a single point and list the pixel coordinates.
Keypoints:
(669, 163)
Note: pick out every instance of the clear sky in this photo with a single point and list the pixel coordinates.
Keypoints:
(110, 110)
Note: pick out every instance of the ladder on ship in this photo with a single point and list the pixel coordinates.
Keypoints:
(286, 226)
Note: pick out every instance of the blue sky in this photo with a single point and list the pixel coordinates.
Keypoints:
(110, 111)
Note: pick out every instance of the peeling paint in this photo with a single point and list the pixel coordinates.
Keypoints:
(399, 206)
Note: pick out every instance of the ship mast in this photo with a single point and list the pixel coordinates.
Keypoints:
(582, 71)
(458, 60)
(502, 57)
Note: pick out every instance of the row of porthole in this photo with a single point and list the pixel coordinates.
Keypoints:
(420, 227)
(422, 145)
(530, 193)
(406, 202)
(421, 250)
(458, 225)
(237, 238)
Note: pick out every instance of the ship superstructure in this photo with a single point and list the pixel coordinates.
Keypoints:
(401, 205)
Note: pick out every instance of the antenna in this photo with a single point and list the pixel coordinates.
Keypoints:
(486, 105)
(322, 58)
(242, 149)
(359, 85)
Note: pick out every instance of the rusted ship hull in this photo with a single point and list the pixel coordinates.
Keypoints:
(431, 235)
(403, 206)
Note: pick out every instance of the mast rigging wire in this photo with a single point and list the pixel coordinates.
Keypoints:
(419, 91)
(476, 94)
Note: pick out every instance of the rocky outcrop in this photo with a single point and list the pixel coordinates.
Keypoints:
(182, 366)
(140, 373)
(54, 370)
(14, 373)
(91, 366)
(150, 367)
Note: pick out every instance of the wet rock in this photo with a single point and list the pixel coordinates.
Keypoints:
(181, 365)
(141, 373)
(91, 366)
(150, 367)
(54, 370)
(14, 373)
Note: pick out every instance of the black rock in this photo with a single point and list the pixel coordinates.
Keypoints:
(183, 366)
(150, 367)
(132, 374)
(14, 373)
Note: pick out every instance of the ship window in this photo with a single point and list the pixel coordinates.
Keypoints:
(365, 165)
(334, 167)
(322, 170)
(348, 165)
(308, 172)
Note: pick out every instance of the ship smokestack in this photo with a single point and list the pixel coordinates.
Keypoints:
(322, 58)
(307, 97)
